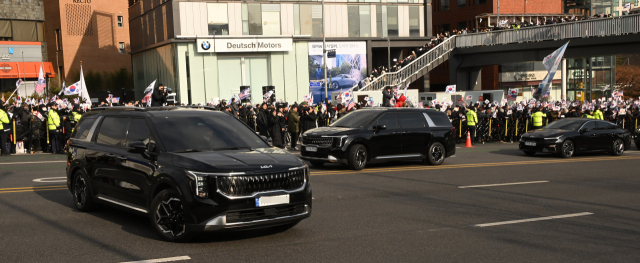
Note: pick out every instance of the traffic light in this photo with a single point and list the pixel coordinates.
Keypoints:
(581, 85)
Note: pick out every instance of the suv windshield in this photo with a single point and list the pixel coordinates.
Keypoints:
(205, 133)
(356, 119)
(564, 125)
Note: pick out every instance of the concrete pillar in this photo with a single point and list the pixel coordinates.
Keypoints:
(564, 78)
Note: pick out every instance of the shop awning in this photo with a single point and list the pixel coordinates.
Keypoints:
(26, 70)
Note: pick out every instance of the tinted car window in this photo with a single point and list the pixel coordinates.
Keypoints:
(82, 131)
(388, 119)
(439, 119)
(590, 125)
(411, 120)
(139, 132)
(112, 131)
(205, 133)
(570, 124)
(356, 119)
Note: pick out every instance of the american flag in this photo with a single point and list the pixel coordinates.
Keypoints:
(245, 93)
(41, 82)
(351, 105)
(115, 100)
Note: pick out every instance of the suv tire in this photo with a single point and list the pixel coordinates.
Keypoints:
(357, 157)
(436, 154)
(82, 196)
(167, 216)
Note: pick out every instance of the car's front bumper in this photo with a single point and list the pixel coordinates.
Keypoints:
(323, 154)
(542, 147)
(223, 222)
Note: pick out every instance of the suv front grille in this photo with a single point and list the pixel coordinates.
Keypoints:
(247, 185)
(264, 213)
(320, 141)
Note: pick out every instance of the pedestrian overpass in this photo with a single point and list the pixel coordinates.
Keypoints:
(468, 53)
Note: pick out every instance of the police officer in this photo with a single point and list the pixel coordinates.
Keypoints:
(472, 120)
(4, 130)
(53, 124)
(598, 114)
(536, 118)
(75, 116)
(587, 114)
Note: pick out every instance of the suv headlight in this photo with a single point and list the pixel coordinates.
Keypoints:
(340, 141)
(200, 183)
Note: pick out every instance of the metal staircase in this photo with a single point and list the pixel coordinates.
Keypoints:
(601, 27)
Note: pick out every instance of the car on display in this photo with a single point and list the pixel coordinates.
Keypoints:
(188, 170)
(343, 80)
(380, 135)
(576, 135)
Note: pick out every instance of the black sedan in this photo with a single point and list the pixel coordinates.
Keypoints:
(569, 136)
(381, 135)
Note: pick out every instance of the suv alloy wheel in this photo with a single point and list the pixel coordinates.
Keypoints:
(81, 194)
(167, 216)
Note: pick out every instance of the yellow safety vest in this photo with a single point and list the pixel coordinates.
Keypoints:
(536, 118)
(587, 116)
(4, 118)
(53, 120)
(76, 116)
(598, 115)
(472, 118)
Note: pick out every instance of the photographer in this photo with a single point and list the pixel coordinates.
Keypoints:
(308, 117)
(159, 96)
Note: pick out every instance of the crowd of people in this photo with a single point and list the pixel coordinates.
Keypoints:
(44, 127)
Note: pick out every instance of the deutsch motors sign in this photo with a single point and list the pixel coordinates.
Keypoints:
(245, 45)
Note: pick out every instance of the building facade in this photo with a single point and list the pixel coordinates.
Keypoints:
(95, 33)
(23, 50)
(207, 51)
(479, 14)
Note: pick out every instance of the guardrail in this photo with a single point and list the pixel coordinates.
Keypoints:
(629, 24)
(400, 76)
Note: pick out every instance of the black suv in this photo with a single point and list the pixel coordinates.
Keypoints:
(189, 170)
(379, 135)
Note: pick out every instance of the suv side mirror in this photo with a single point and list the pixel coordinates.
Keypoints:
(380, 127)
(137, 147)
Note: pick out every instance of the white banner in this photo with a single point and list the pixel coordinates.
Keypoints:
(245, 45)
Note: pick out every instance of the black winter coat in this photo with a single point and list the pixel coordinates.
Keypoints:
(386, 98)
(263, 122)
(276, 124)
(158, 98)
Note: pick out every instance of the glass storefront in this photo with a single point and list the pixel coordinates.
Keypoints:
(590, 78)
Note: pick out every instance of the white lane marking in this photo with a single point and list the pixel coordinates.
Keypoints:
(51, 180)
(36, 162)
(161, 260)
(533, 219)
(490, 185)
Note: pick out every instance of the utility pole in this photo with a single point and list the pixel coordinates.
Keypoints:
(498, 22)
(388, 53)
(324, 57)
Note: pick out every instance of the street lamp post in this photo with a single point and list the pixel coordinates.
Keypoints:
(324, 57)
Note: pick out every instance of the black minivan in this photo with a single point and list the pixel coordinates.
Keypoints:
(188, 170)
(380, 135)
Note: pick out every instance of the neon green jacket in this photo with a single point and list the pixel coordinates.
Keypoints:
(53, 120)
(472, 118)
(598, 115)
(536, 118)
(4, 118)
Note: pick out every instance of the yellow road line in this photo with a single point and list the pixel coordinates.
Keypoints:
(33, 190)
(2, 189)
(475, 165)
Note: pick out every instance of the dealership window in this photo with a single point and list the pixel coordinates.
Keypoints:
(461, 3)
(414, 21)
(462, 25)
(296, 19)
(444, 5)
(365, 20)
(306, 20)
(354, 20)
(255, 19)
(392, 21)
(271, 19)
(517, 67)
(121, 47)
(381, 21)
(217, 19)
(58, 40)
(316, 19)
(245, 19)
(120, 21)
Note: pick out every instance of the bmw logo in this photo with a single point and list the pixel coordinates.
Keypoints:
(205, 45)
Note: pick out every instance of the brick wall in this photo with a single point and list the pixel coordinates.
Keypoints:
(22, 9)
(533, 7)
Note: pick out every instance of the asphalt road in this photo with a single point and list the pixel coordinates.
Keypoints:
(487, 204)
